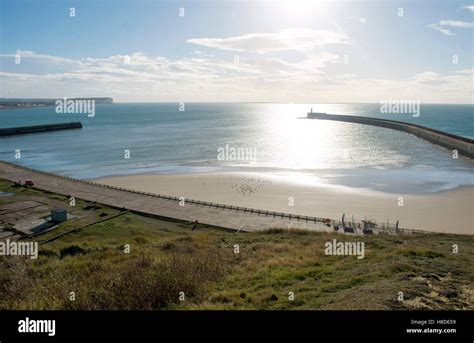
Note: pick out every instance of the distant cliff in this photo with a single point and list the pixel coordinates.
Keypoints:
(27, 103)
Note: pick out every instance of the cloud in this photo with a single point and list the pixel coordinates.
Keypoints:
(284, 40)
(442, 30)
(466, 71)
(451, 23)
(426, 76)
(469, 8)
(26, 55)
(456, 23)
(256, 78)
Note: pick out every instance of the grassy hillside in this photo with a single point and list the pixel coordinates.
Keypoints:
(167, 258)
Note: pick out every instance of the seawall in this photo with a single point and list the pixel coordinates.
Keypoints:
(463, 145)
(39, 128)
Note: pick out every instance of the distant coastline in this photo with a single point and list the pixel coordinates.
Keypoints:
(16, 103)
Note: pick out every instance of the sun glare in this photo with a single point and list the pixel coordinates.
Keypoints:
(303, 11)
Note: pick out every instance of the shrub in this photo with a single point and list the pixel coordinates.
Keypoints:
(71, 251)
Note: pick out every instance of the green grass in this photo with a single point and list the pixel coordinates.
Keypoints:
(167, 258)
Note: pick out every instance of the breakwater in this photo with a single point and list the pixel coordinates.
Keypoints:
(39, 128)
(464, 146)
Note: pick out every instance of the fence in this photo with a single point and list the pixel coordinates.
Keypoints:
(356, 225)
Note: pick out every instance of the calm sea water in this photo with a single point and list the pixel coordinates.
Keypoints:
(162, 139)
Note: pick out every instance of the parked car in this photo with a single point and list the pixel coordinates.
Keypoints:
(29, 183)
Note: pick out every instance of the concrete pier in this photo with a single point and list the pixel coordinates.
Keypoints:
(39, 128)
(463, 145)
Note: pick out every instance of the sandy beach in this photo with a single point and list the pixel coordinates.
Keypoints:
(446, 211)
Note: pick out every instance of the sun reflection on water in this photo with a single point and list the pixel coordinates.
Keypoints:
(292, 141)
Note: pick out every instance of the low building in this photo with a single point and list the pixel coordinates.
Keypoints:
(58, 215)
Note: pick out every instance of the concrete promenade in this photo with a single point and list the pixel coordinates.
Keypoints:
(225, 216)
(169, 207)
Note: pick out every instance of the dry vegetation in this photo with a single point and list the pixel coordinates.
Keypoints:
(167, 258)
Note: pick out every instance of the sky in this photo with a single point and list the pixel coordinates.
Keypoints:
(254, 51)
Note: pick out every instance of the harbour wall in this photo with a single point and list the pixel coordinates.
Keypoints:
(39, 128)
(464, 146)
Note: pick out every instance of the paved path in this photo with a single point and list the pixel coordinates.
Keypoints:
(169, 208)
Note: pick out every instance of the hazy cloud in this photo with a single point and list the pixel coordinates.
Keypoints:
(446, 32)
(469, 8)
(138, 77)
(26, 54)
(456, 23)
(284, 40)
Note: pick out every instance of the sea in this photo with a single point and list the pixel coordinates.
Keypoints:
(175, 138)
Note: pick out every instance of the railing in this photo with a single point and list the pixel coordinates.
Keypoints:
(356, 225)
